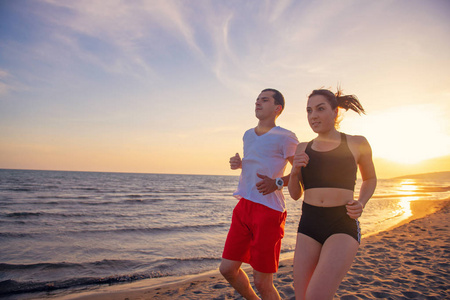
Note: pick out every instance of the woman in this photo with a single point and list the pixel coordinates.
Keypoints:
(325, 170)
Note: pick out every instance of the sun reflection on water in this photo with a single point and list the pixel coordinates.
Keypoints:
(407, 193)
(408, 187)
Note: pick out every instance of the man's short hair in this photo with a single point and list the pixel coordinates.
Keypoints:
(279, 99)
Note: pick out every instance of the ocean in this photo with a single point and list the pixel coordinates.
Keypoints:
(65, 232)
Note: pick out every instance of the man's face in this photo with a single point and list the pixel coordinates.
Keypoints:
(265, 105)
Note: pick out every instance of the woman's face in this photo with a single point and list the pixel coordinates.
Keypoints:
(321, 116)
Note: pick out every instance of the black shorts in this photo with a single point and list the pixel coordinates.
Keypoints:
(320, 223)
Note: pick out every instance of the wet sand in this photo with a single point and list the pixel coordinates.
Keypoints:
(409, 261)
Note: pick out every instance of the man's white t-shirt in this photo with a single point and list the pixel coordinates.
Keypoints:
(266, 154)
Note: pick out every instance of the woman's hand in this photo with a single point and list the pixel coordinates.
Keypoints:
(301, 159)
(354, 209)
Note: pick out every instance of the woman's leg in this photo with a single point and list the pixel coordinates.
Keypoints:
(307, 251)
(336, 257)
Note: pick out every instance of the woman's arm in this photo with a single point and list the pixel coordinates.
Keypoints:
(295, 184)
(367, 169)
(369, 177)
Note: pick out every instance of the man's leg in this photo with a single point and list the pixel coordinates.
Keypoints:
(264, 285)
(268, 230)
(238, 279)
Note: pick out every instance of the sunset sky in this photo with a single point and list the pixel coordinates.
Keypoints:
(169, 86)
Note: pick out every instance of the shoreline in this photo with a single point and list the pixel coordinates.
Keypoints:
(375, 248)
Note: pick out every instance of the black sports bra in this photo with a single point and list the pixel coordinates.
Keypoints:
(330, 169)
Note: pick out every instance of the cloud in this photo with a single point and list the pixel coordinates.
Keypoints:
(3, 88)
(7, 83)
(120, 37)
(3, 74)
(130, 37)
(319, 41)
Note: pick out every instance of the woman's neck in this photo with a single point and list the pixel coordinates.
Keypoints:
(329, 136)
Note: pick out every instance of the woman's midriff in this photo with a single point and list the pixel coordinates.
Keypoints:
(328, 197)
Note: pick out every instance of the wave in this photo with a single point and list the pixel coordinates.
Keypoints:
(102, 264)
(60, 197)
(193, 259)
(17, 235)
(134, 196)
(146, 230)
(21, 189)
(72, 200)
(23, 214)
(434, 189)
(9, 287)
(159, 269)
(90, 189)
(66, 265)
(139, 200)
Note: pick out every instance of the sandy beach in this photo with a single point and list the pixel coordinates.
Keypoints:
(409, 261)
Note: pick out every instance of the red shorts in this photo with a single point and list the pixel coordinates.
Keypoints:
(255, 236)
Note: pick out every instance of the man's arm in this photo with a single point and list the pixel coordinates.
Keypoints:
(268, 185)
(235, 162)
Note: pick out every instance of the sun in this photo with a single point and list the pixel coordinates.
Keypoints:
(407, 134)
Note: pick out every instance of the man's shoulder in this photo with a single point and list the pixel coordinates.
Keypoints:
(282, 129)
(285, 132)
(249, 131)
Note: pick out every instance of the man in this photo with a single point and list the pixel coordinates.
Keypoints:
(258, 219)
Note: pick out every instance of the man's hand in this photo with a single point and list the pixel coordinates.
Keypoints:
(354, 209)
(235, 162)
(267, 185)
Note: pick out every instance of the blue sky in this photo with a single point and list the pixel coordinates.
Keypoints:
(169, 86)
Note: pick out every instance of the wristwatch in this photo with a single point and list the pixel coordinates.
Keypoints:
(279, 182)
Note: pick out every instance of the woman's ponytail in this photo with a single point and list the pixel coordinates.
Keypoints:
(339, 100)
(349, 102)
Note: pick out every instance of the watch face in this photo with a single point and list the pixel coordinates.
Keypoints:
(280, 182)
